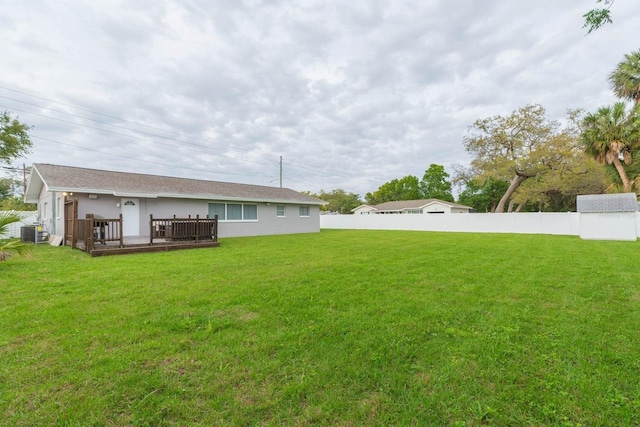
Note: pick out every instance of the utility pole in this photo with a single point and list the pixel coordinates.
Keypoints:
(280, 171)
(24, 179)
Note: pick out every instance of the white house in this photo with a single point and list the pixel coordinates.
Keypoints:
(427, 206)
(242, 209)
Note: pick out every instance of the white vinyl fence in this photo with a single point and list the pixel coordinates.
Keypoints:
(600, 226)
(27, 218)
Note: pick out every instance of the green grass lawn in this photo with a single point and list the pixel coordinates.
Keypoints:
(343, 328)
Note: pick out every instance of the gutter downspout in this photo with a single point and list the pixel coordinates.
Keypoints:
(52, 227)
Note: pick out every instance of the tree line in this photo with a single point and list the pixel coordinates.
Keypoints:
(14, 143)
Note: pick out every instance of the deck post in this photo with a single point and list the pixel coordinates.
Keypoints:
(73, 233)
(215, 228)
(151, 230)
(89, 230)
(197, 228)
(121, 231)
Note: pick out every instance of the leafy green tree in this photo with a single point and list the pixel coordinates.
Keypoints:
(512, 148)
(9, 200)
(483, 196)
(539, 160)
(597, 17)
(407, 188)
(556, 190)
(610, 135)
(570, 171)
(339, 201)
(625, 79)
(16, 203)
(14, 139)
(7, 186)
(435, 184)
(11, 246)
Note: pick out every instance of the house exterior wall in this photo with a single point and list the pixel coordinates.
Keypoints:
(459, 210)
(268, 222)
(51, 211)
(436, 207)
(362, 210)
(430, 208)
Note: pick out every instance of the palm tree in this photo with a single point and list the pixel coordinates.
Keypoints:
(610, 135)
(9, 247)
(625, 79)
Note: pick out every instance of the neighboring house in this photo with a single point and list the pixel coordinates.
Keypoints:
(427, 206)
(242, 209)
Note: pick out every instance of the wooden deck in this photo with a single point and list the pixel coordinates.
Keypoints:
(160, 246)
(104, 236)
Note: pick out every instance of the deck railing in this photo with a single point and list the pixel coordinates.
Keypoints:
(90, 231)
(195, 229)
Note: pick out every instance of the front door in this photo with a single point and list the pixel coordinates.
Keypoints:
(130, 210)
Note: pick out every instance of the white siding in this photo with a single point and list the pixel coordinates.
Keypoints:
(437, 207)
(268, 222)
(362, 210)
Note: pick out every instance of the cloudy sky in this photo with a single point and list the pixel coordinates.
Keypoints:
(351, 94)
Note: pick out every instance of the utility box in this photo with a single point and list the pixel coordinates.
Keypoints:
(33, 234)
(28, 233)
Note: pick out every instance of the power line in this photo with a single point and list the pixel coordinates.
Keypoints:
(211, 150)
(145, 161)
(302, 167)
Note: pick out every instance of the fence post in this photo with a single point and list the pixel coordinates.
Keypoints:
(197, 228)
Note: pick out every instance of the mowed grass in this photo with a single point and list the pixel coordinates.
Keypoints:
(341, 328)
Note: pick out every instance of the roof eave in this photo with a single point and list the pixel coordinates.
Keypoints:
(239, 199)
(31, 195)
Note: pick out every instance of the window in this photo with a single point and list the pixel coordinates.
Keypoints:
(58, 207)
(250, 212)
(217, 209)
(233, 211)
(304, 210)
(414, 211)
(45, 209)
(280, 211)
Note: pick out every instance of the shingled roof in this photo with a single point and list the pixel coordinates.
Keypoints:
(400, 205)
(125, 184)
(413, 204)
